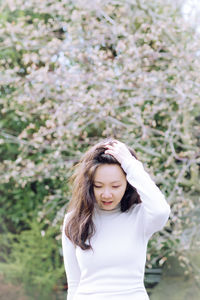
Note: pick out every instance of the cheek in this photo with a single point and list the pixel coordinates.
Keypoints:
(123, 191)
(96, 193)
(121, 194)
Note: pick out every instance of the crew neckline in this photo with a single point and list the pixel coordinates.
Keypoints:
(108, 212)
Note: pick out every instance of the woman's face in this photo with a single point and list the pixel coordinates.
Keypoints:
(109, 185)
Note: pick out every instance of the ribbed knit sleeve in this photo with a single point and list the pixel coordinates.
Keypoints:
(154, 206)
(70, 263)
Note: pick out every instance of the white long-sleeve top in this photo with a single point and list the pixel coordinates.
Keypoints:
(115, 269)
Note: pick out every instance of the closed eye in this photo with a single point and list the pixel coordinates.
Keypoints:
(116, 186)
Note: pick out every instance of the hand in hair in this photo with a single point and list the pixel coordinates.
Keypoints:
(119, 150)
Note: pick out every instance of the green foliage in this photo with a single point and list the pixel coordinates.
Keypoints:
(34, 259)
(19, 204)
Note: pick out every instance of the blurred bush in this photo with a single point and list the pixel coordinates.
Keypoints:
(32, 259)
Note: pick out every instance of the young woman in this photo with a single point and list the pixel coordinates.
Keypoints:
(114, 210)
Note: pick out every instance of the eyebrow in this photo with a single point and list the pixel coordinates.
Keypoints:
(111, 182)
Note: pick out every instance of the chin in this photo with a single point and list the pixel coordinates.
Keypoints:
(108, 206)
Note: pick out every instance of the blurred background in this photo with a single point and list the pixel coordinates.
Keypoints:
(71, 74)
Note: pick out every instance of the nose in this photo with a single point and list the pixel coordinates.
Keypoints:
(106, 194)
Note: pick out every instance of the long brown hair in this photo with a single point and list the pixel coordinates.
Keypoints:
(80, 226)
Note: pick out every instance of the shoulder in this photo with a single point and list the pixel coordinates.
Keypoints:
(134, 212)
(67, 217)
(66, 220)
(135, 208)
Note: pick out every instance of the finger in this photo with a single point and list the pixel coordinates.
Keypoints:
(109, 152)
(110, 149)
(109, 146)
(115, 142)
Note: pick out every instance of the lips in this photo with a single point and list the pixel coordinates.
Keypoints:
(107, 202)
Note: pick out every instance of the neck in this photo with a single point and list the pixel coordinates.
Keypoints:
(108, 211)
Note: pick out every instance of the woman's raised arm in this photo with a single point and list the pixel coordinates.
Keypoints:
(156, 209)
